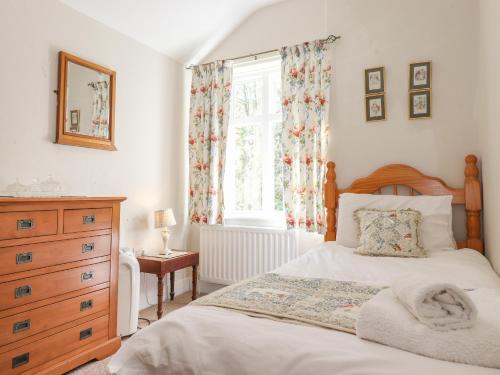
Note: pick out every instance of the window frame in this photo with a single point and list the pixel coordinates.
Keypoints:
(268, 216)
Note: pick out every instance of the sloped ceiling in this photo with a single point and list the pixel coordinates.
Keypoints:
(185, 30)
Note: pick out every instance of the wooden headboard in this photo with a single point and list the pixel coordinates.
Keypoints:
(395, 175)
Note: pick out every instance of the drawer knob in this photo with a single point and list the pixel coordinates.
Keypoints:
(89, 219)
(21, 326)
(88, 247)
(87, 275)
(23, 224)
(23, 291)
(86, 305)
(20, 360)
(85, 334)
(22, 258)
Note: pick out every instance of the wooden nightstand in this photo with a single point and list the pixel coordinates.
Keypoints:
(161, 266)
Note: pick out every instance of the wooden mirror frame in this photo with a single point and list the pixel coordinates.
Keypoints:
(81, 140)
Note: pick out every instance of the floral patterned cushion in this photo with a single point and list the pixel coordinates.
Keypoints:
(389, 232)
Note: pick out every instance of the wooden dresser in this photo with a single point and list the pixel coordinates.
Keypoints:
(58, 282)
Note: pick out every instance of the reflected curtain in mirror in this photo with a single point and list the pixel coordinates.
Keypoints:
(100, 116)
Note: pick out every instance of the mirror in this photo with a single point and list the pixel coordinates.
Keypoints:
(86, 98)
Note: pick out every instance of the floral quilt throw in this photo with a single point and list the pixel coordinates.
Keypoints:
(319, 302)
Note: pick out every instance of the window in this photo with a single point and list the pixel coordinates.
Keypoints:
(253, 187)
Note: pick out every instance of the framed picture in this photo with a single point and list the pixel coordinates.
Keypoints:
(375, 107)
(374, 81)
(74, 120)
(420, 104)
(420, 76)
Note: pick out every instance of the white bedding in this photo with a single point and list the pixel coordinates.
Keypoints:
(208, 340)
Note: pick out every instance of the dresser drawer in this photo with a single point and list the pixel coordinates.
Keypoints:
(87, 220)
(22, 258)
(19, 326)
(22, 359)
(31, 289)
(27, 224)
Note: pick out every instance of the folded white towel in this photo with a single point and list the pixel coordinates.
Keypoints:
(385, 320)
(440, 306)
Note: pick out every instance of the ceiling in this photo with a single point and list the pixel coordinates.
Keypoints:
(185, 30)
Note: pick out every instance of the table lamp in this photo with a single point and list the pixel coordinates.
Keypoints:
(164, 219)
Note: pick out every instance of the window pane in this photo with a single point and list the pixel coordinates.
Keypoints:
(248, 168)
(254, 177)
(278, 166)
(247, 98)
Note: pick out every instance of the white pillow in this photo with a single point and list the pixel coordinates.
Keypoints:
(435, 231)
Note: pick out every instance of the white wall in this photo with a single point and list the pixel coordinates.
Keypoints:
(146, 168)
(488, 116)
(390, 33)
(386, 33)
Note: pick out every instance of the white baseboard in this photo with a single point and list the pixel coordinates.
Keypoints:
(149, 292)
(183, 285)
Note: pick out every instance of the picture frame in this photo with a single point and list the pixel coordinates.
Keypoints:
(75, 120)
(374, 80)
(420, 105)
(420, 76)
(375, 107)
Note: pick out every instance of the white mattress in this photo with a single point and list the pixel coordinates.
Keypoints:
(208, 340)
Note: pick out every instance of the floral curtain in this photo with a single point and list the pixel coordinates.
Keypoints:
(306, 75)
(208, 124)
(100, 114)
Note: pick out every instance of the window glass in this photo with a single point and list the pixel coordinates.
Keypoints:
(253, 181)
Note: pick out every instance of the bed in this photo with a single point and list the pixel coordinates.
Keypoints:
(212, 340)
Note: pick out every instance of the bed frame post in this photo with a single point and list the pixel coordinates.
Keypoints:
(330, 202)
(473, 204)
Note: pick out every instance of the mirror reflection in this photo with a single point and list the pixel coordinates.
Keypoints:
(88, 102)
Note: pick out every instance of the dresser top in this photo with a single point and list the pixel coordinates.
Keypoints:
(58, 199)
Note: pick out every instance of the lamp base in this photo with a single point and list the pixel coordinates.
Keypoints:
(165, 252)
(165, 234)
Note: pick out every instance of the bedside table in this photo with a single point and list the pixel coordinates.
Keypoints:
(161, 266)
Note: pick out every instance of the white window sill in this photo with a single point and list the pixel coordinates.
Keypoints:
(273, 219)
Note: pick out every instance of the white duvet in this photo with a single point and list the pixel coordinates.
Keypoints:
(209, 340)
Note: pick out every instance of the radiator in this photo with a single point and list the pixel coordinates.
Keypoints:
(231, 254)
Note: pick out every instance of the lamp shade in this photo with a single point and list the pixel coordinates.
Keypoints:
(164, 218)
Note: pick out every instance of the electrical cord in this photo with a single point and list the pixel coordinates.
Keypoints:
(143, 277)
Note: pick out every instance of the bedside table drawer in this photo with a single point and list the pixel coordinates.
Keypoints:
(26, 257)
(27, 224)
(87, 219)
(19, 326)
(31, 289)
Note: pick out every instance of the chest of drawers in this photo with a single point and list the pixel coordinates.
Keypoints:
(58, 282)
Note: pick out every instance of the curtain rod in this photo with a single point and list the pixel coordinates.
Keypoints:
(330, 39)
